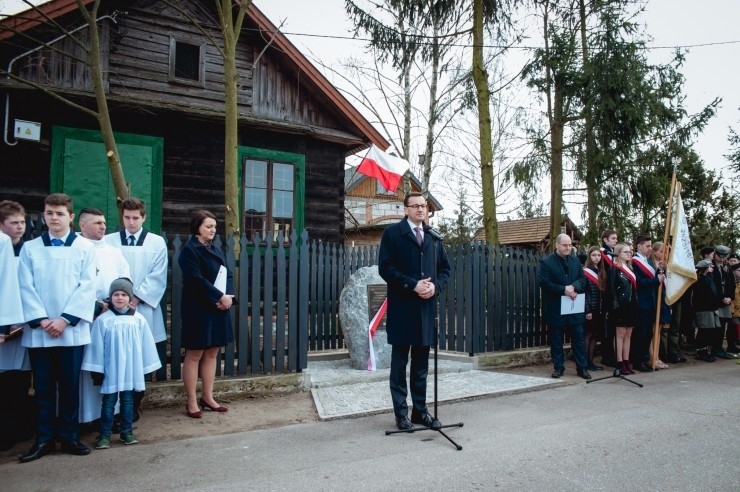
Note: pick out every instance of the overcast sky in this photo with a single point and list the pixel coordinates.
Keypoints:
(711, 71)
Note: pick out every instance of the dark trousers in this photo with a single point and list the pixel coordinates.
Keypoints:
(418, 378)
(577, 344)
(642, 336)
(16, 413)
(56, 374)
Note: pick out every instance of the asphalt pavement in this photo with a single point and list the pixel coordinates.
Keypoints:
(679, 432)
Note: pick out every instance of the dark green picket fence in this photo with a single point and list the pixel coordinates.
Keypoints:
(288, 301)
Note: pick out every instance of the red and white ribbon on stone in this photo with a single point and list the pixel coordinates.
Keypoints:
(372, 328)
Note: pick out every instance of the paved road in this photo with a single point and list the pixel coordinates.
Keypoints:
(679, 432)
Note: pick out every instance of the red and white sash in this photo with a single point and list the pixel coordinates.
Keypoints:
(606, 257)
(628, 273)
(591, 275)
(645, 267)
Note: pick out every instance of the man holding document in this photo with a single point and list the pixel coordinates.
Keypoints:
(207, 294)
(563, 304)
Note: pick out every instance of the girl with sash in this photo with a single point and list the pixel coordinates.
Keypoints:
(594, 327)
(622, 303)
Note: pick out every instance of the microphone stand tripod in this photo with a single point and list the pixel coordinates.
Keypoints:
(436, 424)
(616, 374)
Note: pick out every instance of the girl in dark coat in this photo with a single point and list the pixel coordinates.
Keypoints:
(622, 303)
(207, 293)
(594, 326)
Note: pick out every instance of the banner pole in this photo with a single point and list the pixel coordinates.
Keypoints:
(656, 327)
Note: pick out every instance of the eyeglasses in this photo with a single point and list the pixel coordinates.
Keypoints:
(420, 206)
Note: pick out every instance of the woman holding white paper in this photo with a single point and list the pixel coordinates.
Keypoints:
(622, 303)
(206, 299)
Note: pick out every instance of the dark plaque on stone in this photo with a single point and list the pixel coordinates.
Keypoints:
(375, 296)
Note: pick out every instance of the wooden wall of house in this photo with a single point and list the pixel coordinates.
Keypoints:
(140, 63)
(279, 95)
(192, 167)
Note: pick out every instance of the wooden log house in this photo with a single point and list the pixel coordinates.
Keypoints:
(369, 207)
(164, 85)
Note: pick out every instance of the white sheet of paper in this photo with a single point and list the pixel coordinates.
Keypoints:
(573, 306)
(220, 282)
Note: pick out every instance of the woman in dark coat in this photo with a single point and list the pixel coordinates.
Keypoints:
(207, 293)
(622, 303)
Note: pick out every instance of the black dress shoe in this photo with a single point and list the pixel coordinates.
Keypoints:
(594, 367)
(644, 368)
(75, 447)
(584, 374)
(422, 419)
(404, 424)
(38, 450)
(557, 373)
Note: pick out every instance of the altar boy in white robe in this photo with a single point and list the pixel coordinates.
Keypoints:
(15, 366)
(57, 281)
(121, 353)
(146, 254)
(110, 265)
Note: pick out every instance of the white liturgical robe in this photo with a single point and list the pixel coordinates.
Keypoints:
(13, 356)
(123, 350)
(148, 264)
(110, 265)
(57, 280)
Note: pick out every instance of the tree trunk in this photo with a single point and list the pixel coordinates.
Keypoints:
(592, 173)
(433, 108)
(556, 163)
(120, 186)
(480, 77)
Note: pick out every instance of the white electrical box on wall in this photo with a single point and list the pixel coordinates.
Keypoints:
(27, 130)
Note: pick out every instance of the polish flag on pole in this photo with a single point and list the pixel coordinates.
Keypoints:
(386, 168)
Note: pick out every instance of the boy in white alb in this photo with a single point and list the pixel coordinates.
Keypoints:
(121, 353)
(57, 281)
(146, 254)
(110, 265)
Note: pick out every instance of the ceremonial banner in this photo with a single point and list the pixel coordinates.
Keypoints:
(386, 168)
(680, 271)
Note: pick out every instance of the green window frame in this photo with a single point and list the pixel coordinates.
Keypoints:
(267, 192)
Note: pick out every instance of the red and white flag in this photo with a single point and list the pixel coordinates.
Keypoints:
(386, 168)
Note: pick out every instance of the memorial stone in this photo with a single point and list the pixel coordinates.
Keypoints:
(355, 319)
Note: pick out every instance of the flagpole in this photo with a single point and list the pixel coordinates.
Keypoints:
(656, 327)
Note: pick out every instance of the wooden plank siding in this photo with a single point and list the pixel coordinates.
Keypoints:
(140, 64)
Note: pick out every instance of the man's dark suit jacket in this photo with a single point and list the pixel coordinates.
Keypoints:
(402, 263)
(554, 275)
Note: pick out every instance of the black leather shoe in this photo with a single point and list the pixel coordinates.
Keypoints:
(422, 419)
(38, 450)
(75, 447)
(594, 367)
(644, 368)
(557, 373)
(584, 374)
(404, 424)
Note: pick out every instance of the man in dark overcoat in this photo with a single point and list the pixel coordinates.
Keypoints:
(560, 274)
(414, 264)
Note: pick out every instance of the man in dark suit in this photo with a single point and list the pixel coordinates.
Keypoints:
(560, 274)
(648, 278)
(414, 264)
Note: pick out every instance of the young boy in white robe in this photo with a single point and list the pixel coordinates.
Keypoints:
(121, 353)
(146, 254)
